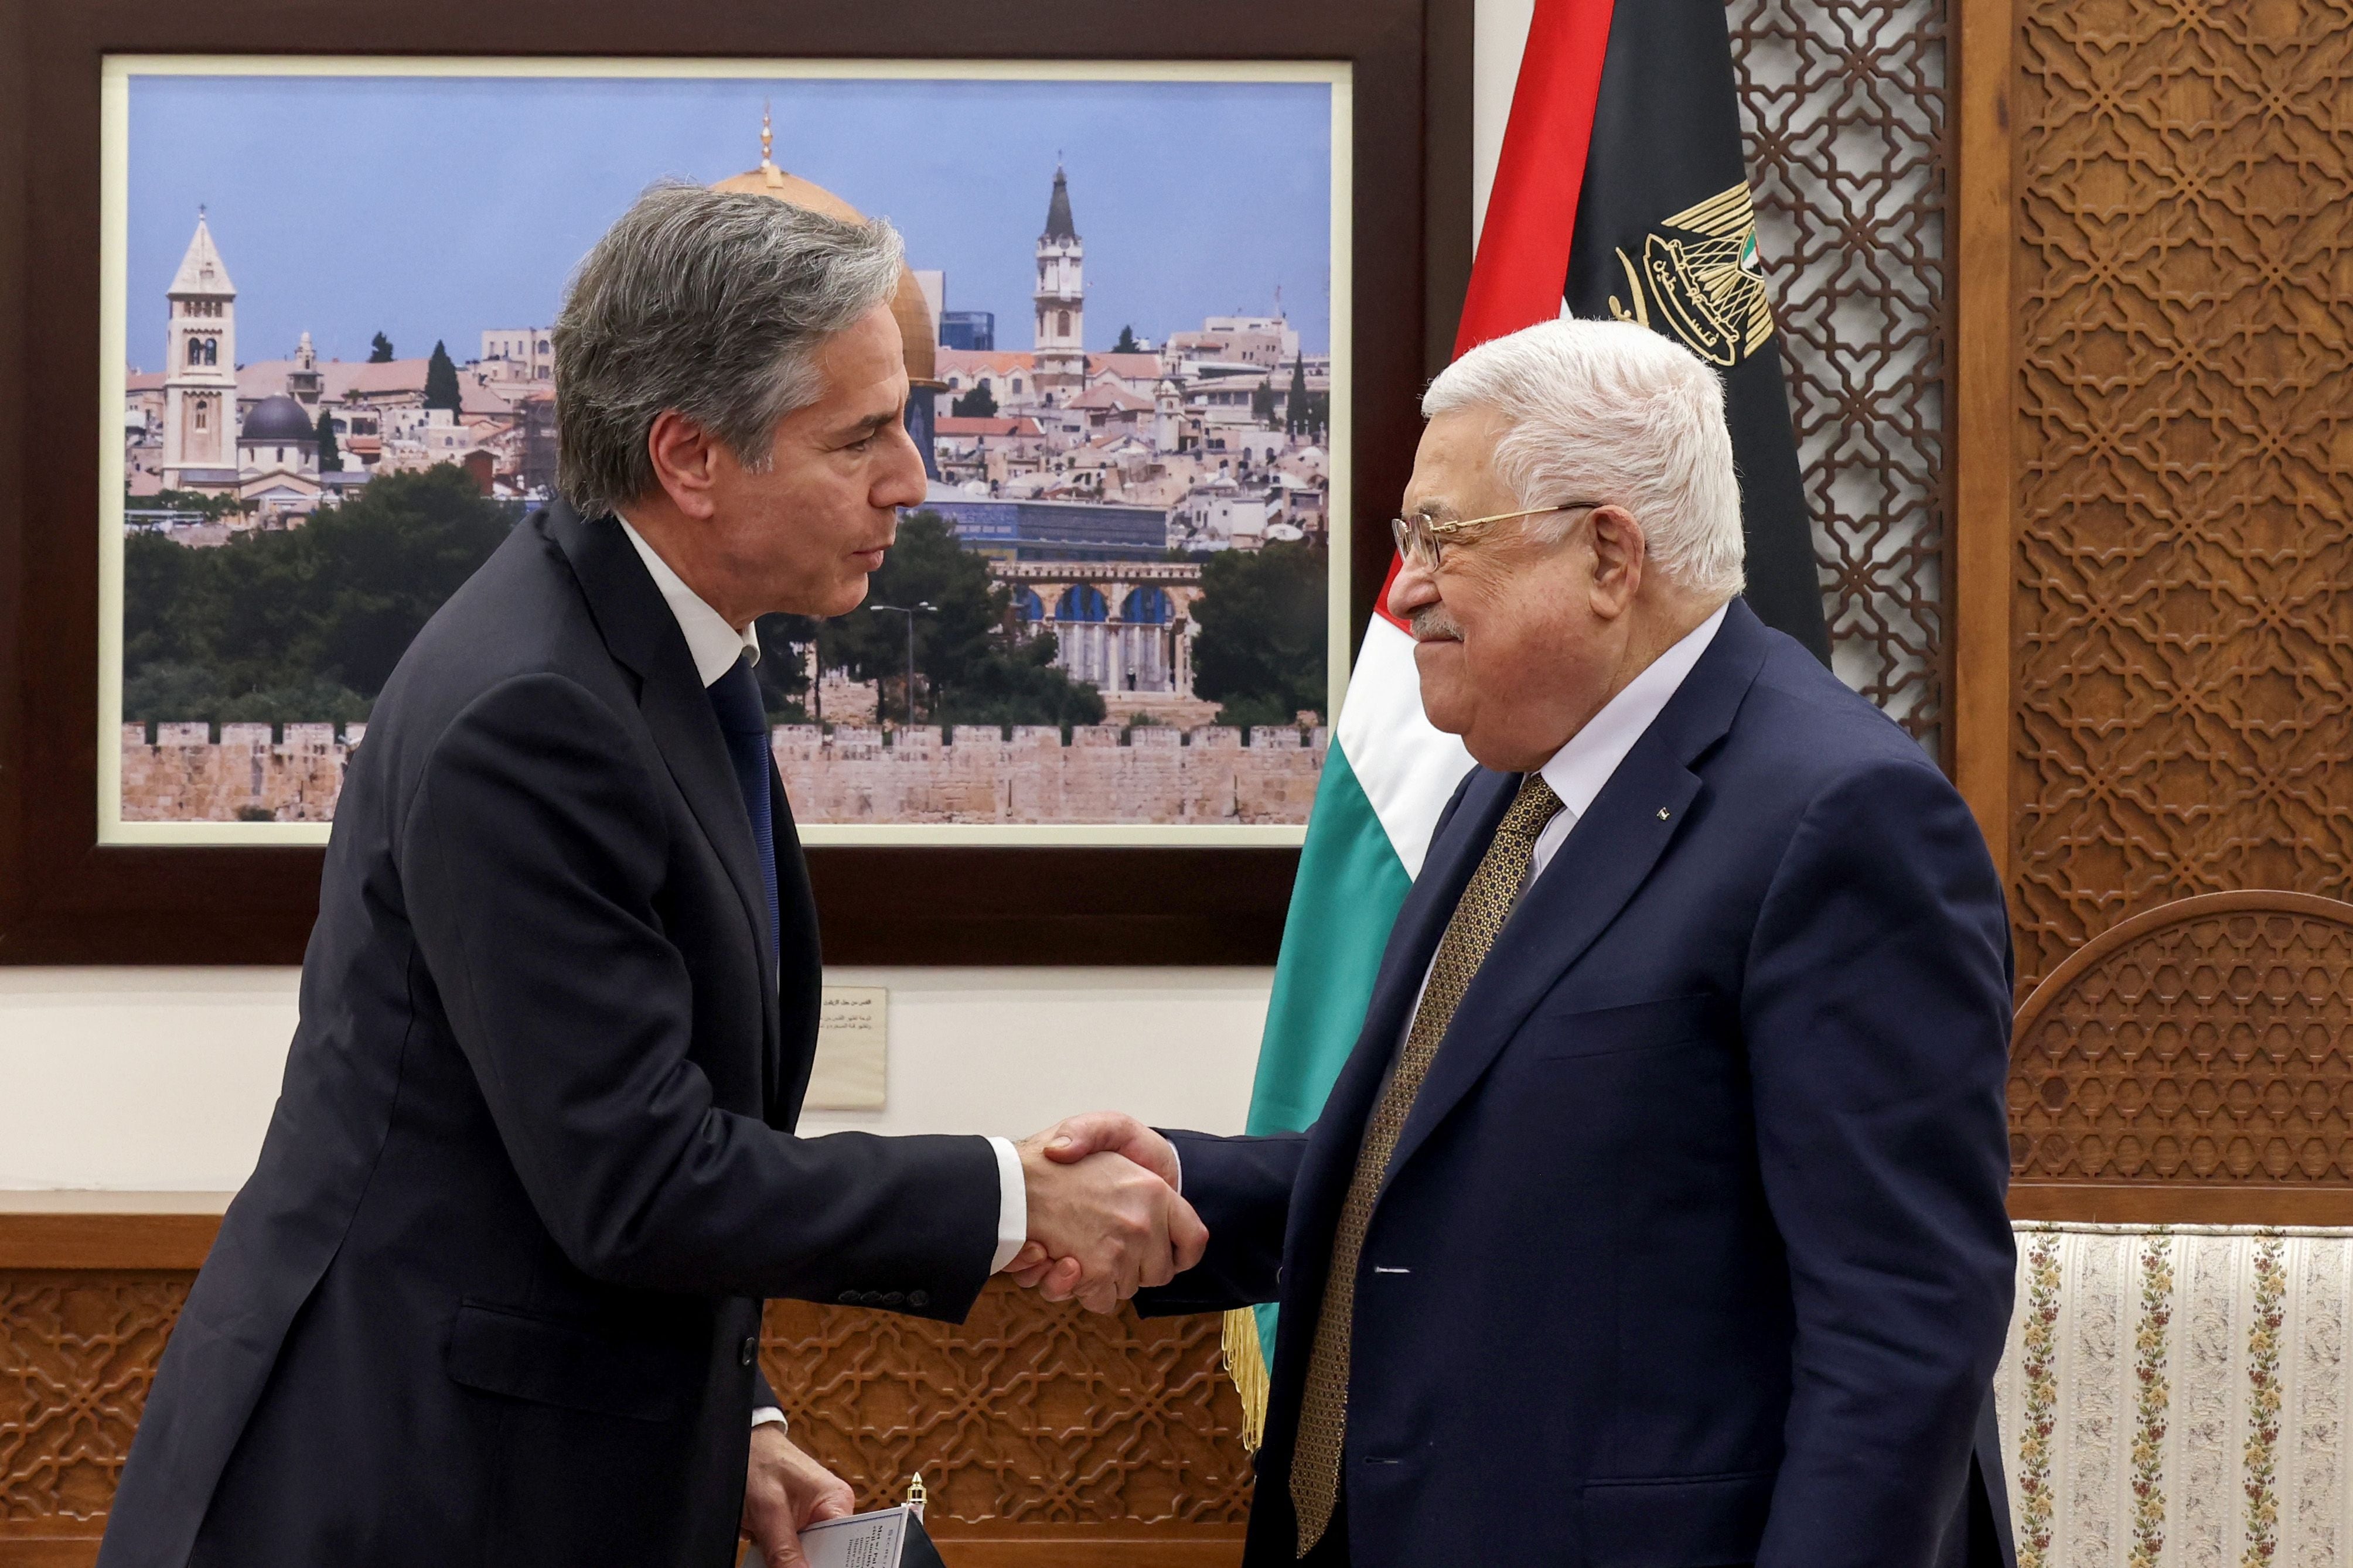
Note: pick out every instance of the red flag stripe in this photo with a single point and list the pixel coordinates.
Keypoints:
(1522, 271)
(1381, 604)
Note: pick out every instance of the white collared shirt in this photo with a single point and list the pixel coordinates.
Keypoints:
(1581, 769)
(716, 646)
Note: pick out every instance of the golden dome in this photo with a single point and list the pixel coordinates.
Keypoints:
(919, 332)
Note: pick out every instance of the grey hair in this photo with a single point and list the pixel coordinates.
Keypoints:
(1612, 412)
(711, 305)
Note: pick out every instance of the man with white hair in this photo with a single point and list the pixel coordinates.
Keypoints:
(1657, 1217)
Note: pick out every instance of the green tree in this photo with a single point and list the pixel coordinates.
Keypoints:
(971, 656)
(380, 351)
(441, 380)
(303, 623)
(1019, 685)
(980, 403)
(331, 455)
(1126, 345)
(1262, 403)
(1295, 410)
(783, 669)
(386, 560)
(1260, 652)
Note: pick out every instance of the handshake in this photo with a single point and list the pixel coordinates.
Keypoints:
(1105, 1217)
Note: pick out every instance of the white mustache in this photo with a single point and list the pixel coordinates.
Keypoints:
(1432, 624)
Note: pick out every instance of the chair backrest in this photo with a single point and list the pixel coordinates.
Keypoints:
(2205, 1044)
(2175, 1396)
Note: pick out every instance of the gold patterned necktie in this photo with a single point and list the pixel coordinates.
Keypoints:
(1485, 904)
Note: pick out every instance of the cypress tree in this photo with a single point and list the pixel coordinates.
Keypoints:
(441, 380)
(380, 351)
(331, 455)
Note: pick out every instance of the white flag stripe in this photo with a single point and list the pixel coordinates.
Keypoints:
(1407, 769)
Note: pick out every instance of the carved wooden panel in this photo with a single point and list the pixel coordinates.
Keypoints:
(1844, 121)
(1115, 1438)
(1027, 1412)
(77, 1352)
(2181, 598)
(2208, 1042)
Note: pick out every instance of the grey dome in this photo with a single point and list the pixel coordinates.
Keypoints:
(278, 418)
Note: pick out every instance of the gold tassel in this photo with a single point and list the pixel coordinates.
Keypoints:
(1246, 1366)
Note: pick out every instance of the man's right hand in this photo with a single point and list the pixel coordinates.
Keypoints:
(1111, 1226)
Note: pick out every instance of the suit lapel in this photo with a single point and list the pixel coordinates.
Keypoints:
(799, 993)
(641, 632)
(1421, 919)
(1602, 864)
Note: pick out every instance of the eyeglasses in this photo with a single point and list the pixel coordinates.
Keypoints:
(1423, 542)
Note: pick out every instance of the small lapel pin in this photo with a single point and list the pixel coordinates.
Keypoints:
(1662, 813)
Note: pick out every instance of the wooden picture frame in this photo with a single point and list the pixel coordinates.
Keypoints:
(67, 899)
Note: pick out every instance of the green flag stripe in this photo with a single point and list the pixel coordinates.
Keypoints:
(1350, 887)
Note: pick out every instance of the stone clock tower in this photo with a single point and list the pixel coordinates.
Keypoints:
(1062, 354)
(200, 383)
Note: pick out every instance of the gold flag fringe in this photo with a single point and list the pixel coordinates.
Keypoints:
(1246, 1366)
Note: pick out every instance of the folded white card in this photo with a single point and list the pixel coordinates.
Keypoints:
(887, 1538)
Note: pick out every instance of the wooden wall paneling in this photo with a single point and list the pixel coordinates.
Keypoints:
(1050, 1437)
(1845, 119)
(78, 1353)
(2182, 603)
(2193, 1063)
(1029, 1414)
(1981, 406)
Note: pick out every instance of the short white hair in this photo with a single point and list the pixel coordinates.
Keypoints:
(1613, 413)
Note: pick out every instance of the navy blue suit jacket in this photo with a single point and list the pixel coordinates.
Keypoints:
(492, 1293)
(1692, 1250)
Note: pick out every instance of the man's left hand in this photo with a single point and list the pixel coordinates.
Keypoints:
(784, 1492)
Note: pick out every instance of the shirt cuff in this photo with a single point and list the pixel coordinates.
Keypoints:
(768, 1415)
(1012, 1203)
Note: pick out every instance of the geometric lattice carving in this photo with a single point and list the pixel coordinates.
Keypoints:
(1844, 123)
(77, 1354)
(2206, 1042)
(1028, 1412)
(2183, 436)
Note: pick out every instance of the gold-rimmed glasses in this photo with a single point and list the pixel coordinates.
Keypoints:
(1423, 542)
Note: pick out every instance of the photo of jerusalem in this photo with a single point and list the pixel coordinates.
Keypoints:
(1111, 608)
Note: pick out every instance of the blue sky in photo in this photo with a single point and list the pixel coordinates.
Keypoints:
(434, 208)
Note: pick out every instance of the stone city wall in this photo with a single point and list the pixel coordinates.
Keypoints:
(1106, 773)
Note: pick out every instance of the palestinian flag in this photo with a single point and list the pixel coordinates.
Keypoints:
(1620, 192)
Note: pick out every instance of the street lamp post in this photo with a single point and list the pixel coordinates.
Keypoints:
(922, 607)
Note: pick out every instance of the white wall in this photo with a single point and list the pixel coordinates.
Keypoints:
(162, 1080)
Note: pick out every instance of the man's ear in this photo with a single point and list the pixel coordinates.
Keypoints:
(685, 460)
(1617, 561)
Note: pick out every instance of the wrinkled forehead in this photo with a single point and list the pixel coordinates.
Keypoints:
(1454, 466)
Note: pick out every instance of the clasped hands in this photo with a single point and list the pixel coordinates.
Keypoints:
(1105, 1217)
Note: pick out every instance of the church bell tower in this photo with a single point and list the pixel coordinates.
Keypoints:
(1062, 355)
(200, 382)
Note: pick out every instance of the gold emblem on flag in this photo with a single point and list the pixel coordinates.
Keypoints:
(1699, 278)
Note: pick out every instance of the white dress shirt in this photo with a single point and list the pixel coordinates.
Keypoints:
(1578, 772)
(716, 646)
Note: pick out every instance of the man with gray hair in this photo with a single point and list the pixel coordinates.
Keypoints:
(1657, 1217)
(494, 1293)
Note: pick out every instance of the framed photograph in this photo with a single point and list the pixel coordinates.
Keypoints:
(1167, 311)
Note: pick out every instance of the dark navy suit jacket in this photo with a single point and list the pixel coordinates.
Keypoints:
(492, 1294)
(1692, 1250)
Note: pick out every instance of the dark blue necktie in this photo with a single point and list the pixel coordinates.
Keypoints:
(743, 723)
